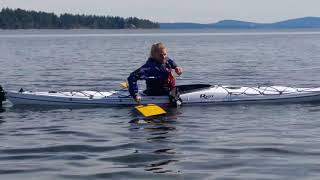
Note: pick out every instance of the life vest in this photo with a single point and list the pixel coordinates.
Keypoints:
(171, 81)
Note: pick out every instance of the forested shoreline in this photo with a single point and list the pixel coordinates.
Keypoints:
(24, 19)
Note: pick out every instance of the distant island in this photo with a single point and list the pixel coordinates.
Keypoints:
(23, 19)
(306, 22)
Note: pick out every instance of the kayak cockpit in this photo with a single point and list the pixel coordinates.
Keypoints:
(192, 88)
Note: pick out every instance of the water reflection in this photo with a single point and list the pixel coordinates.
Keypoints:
(157, 134)
(158, 167)
(2, 109)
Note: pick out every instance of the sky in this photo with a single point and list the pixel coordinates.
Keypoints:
(198, 11)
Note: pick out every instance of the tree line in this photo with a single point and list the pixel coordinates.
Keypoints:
(23, 19)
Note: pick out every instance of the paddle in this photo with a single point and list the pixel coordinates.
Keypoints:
(148, 109)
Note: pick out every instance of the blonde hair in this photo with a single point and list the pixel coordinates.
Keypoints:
(156, 48)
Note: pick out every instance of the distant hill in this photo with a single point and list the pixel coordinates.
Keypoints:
(306, 22)
(183, 26)
(22, 19)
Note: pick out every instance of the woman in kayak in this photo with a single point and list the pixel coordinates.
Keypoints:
(157, 72)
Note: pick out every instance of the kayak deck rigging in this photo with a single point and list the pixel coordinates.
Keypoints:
(268, 90)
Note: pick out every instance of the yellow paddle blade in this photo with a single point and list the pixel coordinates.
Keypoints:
(150, 110)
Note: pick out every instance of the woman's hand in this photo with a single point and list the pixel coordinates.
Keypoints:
(179, 70)
(137, 99)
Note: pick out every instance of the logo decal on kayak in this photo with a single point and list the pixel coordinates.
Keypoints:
(204, 96)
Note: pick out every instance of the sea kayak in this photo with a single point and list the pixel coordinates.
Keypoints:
(189, 94)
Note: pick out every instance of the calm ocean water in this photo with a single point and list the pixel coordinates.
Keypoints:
(207, 142)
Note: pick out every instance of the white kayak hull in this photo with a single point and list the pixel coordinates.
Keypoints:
(210, 95)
